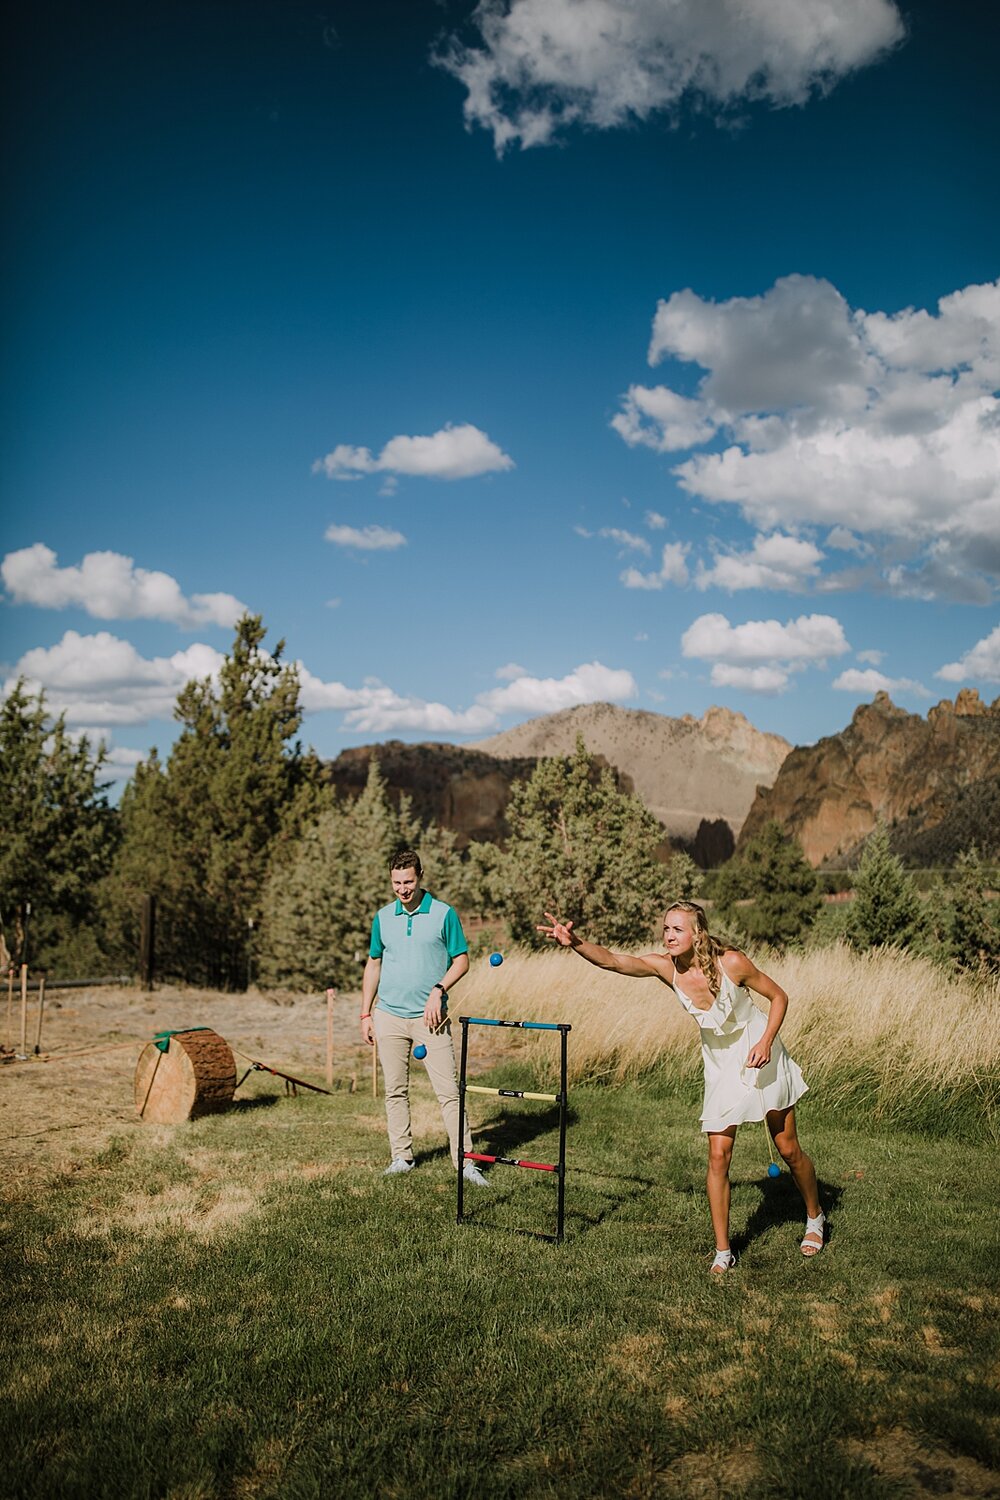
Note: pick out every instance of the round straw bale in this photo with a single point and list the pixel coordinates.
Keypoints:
(195, 1076)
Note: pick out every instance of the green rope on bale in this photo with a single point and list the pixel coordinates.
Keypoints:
(161, 1041)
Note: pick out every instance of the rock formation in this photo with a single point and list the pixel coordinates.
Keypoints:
(697, 776)
(918, 775)
(685, 770)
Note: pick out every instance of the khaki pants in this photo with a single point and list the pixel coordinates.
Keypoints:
(395, 1036)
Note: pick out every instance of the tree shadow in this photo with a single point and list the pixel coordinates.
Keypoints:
(781, 1203)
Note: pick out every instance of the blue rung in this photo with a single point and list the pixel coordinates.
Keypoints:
(524, 1025)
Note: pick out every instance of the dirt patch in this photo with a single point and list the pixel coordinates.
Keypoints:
(64, 1107)
(898, 1456)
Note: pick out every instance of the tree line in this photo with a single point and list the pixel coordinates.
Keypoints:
(261, 866)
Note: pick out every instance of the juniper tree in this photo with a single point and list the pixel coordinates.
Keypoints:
(966, 916)
(321, 897)
(769, 891)
(885, 906)
(582, 848)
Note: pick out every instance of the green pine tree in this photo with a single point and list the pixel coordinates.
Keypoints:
(885, 907)
(769, 891)
(582, 848)
(57, 837)
(966, 915)
(200, 830)
(684, 880)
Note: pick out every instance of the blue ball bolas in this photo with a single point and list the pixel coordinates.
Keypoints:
(774, 1170)
(496, 959)
(420, 1052)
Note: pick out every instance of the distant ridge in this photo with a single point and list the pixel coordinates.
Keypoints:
(697, 776)
(685, 770)
(934, 781)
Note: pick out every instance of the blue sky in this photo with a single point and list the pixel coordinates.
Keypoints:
(503, 357)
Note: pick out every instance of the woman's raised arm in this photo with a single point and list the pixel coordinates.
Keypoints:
(602, 958)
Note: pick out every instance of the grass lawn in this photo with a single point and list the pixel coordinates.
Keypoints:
(245, 1307)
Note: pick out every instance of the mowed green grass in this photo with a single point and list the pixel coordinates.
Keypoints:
(245, 1307)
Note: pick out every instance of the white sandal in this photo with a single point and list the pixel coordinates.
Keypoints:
(724, 1260)
(814, 1227)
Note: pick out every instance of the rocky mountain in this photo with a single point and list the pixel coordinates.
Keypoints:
(686, 770)
(935, 781)
(698, 776)
(461, 789)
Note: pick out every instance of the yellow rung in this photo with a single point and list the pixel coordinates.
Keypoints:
(474, 1088)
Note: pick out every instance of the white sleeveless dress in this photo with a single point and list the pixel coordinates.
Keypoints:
(734, 1094)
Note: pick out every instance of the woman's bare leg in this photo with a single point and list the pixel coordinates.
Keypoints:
(720, 1154)
(781, 1124)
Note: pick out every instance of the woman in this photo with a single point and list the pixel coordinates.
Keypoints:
(748, 1073)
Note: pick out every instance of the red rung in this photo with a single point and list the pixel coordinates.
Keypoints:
(510, 1161)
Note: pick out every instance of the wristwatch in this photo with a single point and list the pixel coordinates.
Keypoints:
(440, 986)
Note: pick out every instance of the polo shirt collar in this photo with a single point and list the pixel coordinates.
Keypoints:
(419, 911)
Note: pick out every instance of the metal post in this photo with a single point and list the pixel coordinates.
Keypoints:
(461, 1116)
(562, 1132)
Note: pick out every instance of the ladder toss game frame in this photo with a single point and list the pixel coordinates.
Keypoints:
(558, 1168)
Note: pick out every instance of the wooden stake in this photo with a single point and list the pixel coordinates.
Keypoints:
(374, 1069)
(41, 1011)
(10, 1002)
(24, 1010)
(331, 996)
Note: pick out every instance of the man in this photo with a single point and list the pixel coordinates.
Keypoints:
(418, 952)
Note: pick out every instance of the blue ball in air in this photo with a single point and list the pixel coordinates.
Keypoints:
(496, 959)
(774, 1170)
(420, 1052)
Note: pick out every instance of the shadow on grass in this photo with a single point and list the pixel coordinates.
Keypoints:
(256, 1101)
(506, 1136)
(781, 1203)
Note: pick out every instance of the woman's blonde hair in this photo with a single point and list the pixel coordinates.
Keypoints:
(707, 949)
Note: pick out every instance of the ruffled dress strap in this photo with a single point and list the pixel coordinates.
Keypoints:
(721, 1017)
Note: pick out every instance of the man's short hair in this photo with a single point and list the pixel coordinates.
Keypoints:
(406, 859)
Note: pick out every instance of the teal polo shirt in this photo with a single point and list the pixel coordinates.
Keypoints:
(416, 949)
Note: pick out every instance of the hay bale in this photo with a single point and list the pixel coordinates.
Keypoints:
(196, 1075)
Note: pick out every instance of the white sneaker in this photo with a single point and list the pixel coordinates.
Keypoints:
(397, 1167)
(472, 1174)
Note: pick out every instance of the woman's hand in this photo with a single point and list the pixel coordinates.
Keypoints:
(759, 1055)
(560, 932)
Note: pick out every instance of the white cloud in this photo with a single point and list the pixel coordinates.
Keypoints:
(811, 639)
(656, 417)
(655, 521)
(101, 679)
(365, 538)
(885, 429)
(865, 684)
(452, 453)
(509, 672)
(767, 680)
(109, 586)
(774, 562)
(672, 569)
(627, 539)
(983, 661)
(761, 655)
(842, 540)
(539, 66)
(375, 708)
(873, 658)
(589, 683)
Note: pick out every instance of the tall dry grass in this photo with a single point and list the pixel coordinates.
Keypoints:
(887, 1032)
